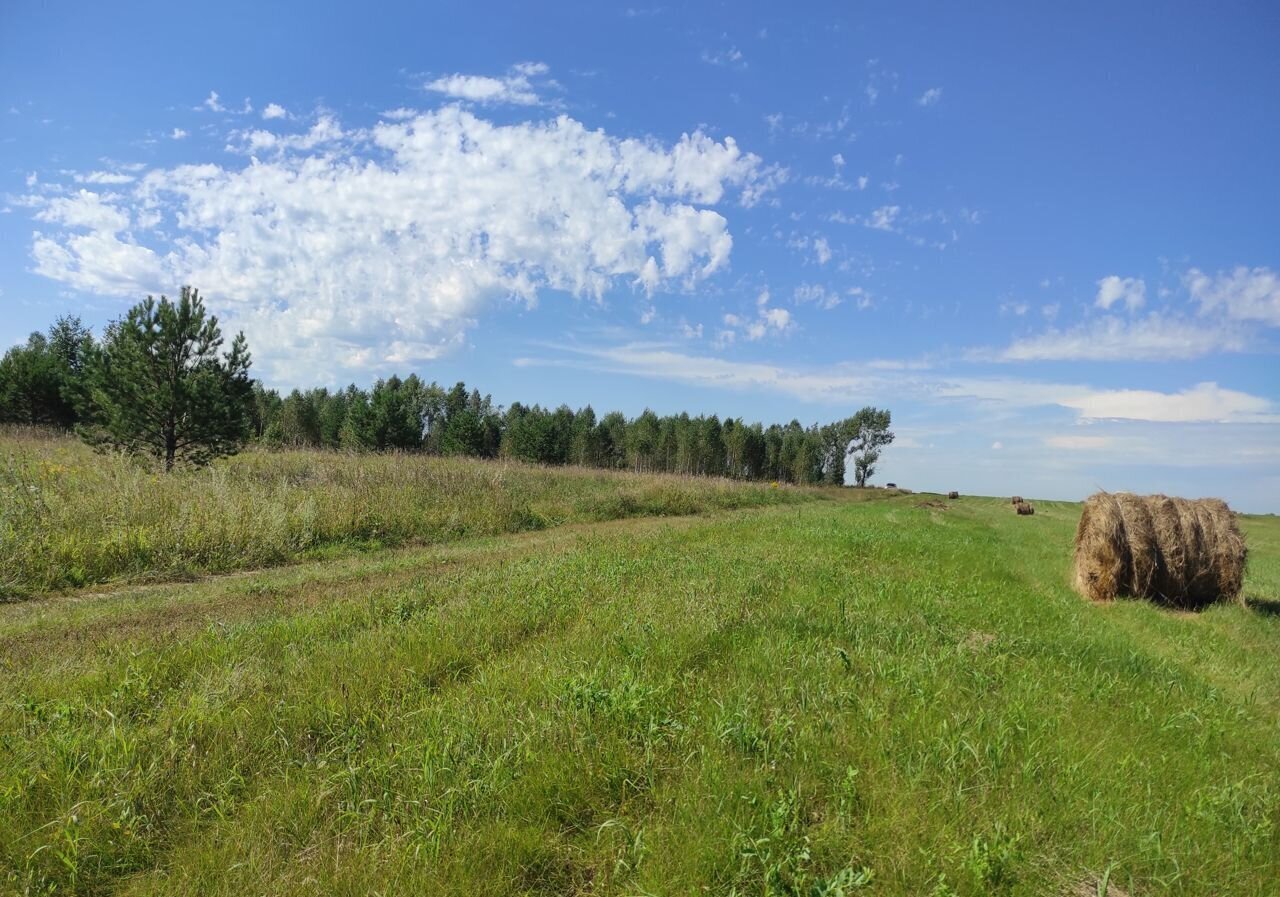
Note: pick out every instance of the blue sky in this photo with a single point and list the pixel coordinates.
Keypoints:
(1045, 238)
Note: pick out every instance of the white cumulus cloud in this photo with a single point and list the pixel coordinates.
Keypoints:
(1132, 291)
(346, 251)
(515, 88)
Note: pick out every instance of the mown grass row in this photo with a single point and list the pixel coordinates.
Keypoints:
(70, 518)
(835, 698)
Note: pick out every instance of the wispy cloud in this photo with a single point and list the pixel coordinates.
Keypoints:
(930, 97)
(102, 177)
(1202, 402)
(767, 320)
(1244, 294)
(516, 87)
(855, 383)
(1080, 443)
(822, 296)
(1156, 337)
(822, 250)
(728, 56)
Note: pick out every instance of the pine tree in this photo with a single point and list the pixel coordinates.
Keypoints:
(42, 382)
(158, 386)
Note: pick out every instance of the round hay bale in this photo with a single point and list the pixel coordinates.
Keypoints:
(1196, 571)
(1224, 549)
(953, 495)
(1171, 575)
(1025, 508)
(1176, 551)
(1102, 549)
(1016, 500)
(1144, 550)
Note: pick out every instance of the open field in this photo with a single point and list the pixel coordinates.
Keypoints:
(897, 696)
(70, 517)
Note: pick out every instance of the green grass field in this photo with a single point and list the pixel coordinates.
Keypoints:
(889, 695)
(71, 518)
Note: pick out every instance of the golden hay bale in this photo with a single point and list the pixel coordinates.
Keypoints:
(1024, 508)
(1224, 548)
(1016, 500)
(1176, 551)
(953, 495)
(1166, 519)
(1143, 548)
(1102, 549)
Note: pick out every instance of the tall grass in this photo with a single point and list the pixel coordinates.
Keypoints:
(70, 517)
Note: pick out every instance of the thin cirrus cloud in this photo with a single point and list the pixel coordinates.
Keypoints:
(1081, 443)
(1155, 337)
(841, 384)
(1203, 402)
(369, 248)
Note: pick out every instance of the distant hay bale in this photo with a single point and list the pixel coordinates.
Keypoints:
(1016, 500)
(891, 485)
(953, 495)
(1024, 508)
(1175, 551)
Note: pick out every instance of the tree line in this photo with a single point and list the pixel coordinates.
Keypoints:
(159, 382)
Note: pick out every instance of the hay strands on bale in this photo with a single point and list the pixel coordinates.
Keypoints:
(1016, 500)
(1024, 508)
(1174, 551)
(953, 495)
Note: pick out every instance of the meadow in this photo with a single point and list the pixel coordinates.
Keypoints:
(70, 517)
(864, 693)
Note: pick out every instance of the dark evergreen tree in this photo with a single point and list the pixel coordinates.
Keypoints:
(159, 384)
(394, 415)
(43, 381)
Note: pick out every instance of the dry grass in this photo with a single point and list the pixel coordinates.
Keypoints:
(70, 517)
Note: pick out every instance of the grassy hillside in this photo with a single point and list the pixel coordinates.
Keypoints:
(891, 697)
(69, 517)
